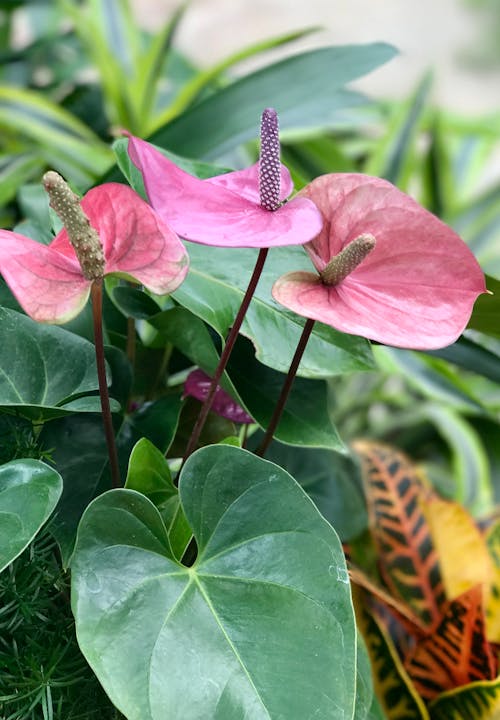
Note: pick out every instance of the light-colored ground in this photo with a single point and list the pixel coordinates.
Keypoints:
(429, 34)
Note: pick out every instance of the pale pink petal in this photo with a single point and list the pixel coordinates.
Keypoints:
(48, 285)
(403, 318)
(198, 384)
(417, 287)
(209, 213)
(246, 182)
(345, 200)
(137, 243)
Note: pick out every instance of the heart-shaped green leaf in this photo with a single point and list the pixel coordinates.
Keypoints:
(43, 367)
(29, 491)
(260, 627)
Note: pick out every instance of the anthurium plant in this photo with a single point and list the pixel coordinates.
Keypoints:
(177, 502)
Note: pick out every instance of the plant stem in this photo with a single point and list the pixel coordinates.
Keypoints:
(96, 295)
(231, 339)
(285, 390)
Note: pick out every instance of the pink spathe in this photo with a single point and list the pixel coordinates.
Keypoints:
(198, 385)
(224, 210)
(47, 281)
(415, 289)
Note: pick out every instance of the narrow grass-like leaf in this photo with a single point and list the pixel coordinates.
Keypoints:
(312, 100)
(393, 155)
(192, 89)
(66, 143)
(470, 467)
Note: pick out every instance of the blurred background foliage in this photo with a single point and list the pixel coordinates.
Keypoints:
(88, 70)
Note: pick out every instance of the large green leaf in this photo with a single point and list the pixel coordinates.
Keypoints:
(260, 627)
(306, 90)
(29, 491)
(332, 480)
(364, 683)
(214, 289)
(43, 367)
(193, 88)
(78, 450)
(305, 420)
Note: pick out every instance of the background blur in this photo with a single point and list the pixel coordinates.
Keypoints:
(458, 39)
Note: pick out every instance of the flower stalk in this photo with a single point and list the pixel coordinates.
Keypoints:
(224, 358)
(96, 298)
(285, 390)
(88, 249)
(269, 192)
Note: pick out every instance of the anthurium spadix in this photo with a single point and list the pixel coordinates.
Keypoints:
(48, 280)
(387, 269)
(244, 208)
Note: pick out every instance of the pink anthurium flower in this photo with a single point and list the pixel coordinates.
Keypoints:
(48, 281)
(197, 385)
(226, 210)
(406, 279)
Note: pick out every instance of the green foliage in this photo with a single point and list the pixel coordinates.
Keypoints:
(212, 635)
(44, 674)
(29, 491)
(253, 617)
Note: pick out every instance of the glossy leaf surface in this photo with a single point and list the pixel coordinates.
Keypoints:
(305, 420)
(42, 367)
(149, 474)
(207, 641)
(29, 492)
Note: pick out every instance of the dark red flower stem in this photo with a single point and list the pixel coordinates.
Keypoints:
(231, 339)
(96, 296)
(285, 390)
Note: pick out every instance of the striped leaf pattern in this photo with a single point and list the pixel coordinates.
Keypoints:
(478, 701)
(408, 561)
(457, 652)
(393, 687)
